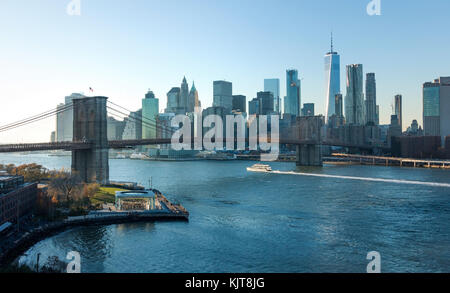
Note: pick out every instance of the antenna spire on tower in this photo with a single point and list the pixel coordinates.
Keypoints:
(332, 42)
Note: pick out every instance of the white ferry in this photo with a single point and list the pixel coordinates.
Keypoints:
(259, 168)
(138, 156)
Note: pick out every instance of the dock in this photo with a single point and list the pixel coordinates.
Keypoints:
(386, 161)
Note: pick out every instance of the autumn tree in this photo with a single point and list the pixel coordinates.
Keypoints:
(65, 186)
(31, 172)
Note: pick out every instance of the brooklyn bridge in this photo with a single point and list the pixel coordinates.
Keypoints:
(90, 145)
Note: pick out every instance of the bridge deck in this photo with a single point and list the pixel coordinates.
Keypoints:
(117, 144)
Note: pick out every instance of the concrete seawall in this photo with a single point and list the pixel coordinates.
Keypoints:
(36, 235)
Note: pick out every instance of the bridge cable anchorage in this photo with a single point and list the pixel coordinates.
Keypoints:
(138, 119)
(35, 118)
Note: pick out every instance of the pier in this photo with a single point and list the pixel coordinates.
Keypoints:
(387, 161)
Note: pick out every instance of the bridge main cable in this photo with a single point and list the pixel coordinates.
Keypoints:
(152, 123)
(34, 118)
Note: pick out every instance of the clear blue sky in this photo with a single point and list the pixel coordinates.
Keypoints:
(122, 48)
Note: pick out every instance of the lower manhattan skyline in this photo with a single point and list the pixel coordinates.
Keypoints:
(145, 50)
(224, 145)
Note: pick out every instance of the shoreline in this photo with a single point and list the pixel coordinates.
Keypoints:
(31, 238)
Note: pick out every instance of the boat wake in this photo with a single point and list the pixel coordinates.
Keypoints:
(397, 181)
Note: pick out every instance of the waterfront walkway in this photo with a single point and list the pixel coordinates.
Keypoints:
(16, 247)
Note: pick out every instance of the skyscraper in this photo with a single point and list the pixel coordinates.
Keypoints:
(223, 94)
(354, 100)
(436, 106)
(193, 101)
(150, 110)
(273, 85)
(239, 103)
(115, 128)
(398, 110)
(371, 99)
(173, 101)
(64, 119)
(337, 119)
(133, 126)
(253, 107)
(292, 101)
(338, 105)
(308, 109)
(184, 95)
(377, 115)
(266, 101)
(332, 79)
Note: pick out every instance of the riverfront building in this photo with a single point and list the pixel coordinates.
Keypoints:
(17, 198)
(436, 106)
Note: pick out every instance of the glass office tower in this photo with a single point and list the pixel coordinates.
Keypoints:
(292, 100)
(332, 80)
(431, 105)
(273, 85)
(150, 111)
(223, 94)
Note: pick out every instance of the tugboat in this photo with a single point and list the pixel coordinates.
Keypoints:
(259, 168)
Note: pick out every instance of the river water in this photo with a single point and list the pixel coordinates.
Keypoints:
(258, 222)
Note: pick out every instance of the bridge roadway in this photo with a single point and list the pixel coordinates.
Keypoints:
(117, 144)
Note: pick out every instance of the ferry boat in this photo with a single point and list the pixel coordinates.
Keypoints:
(138, 156)
(259, 168)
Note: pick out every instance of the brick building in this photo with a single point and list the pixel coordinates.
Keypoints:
(17, 198)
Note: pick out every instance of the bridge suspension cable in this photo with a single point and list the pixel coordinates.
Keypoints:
(122, 115)
(147, 119)
(35, 118)
(144, 120)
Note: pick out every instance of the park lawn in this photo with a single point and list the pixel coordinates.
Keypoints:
(105, 195)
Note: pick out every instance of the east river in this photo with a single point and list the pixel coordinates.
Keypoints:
(258, 222)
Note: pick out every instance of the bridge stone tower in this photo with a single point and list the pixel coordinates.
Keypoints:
(309, 129)
(90, 124)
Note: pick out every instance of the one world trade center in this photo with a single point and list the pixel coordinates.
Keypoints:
(332, 80)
